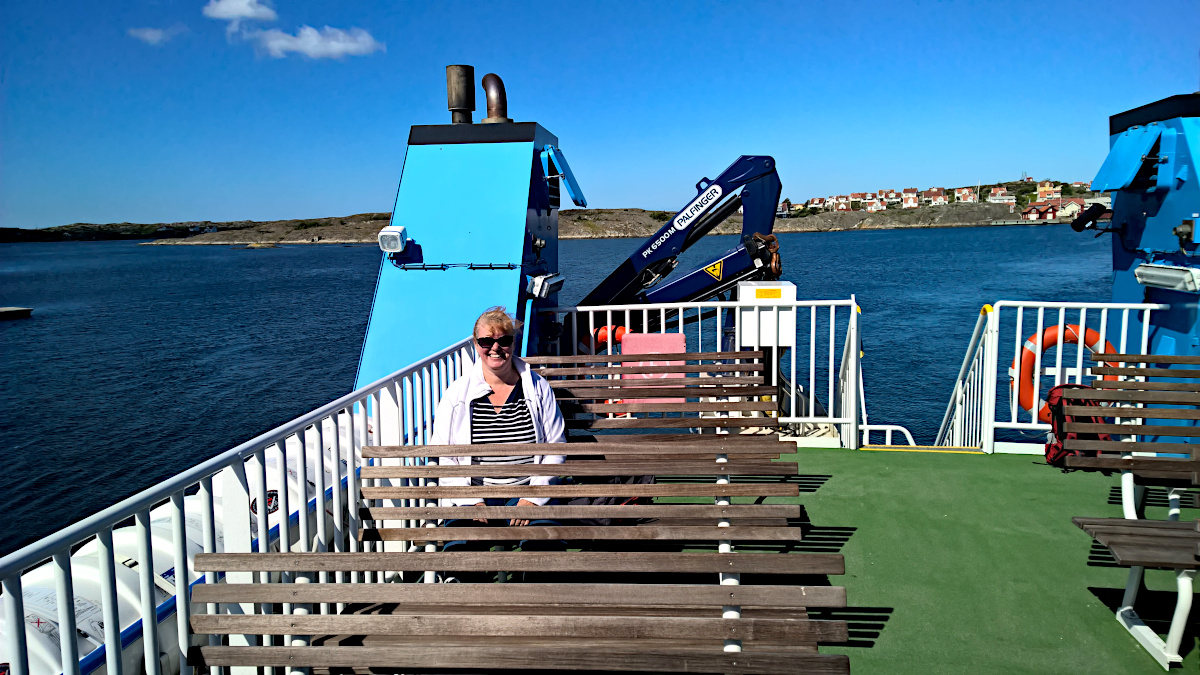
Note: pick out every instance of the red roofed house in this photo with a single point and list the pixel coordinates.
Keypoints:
(890, 196)
(842, 199)
(1081, 185)
(910, 198)
(842, 206)
(966, 195)
(858, 197)
(1040, 211)
(816, 203)
(873, 205)
(934, 196)
(1000, 195)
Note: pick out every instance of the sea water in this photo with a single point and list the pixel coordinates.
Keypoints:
(142, 361)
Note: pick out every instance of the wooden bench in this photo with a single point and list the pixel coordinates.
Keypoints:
(1158, 544)
(721, 390)
(1135, 402)
(670, 596)
(1156, 393)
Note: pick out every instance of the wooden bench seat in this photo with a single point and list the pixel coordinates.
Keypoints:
(632, 622)
(629, 601)
(595, 392)
(1136, 543)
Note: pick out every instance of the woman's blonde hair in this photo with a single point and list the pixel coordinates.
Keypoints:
(497, 317)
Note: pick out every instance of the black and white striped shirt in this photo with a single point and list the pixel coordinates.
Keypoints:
(511, 424)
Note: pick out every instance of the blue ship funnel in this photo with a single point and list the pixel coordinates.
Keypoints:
(480, 215)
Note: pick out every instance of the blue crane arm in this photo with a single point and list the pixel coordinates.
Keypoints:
(716, 200)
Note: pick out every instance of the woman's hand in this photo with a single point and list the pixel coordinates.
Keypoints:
(481, 520)
(521, 523)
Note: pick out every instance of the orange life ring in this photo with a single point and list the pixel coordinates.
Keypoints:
(600, 335)
(1029, 388)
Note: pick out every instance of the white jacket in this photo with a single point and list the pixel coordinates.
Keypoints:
(452, 422)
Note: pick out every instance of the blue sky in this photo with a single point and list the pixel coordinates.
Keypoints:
(176, 110)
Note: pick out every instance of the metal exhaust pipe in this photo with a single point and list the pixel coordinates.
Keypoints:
(460, 93)
(497, 100)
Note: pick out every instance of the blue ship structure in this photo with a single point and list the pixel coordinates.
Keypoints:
(1151, 173)
(475, 225)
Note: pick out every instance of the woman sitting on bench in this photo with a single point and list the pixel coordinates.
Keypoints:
(499, 401)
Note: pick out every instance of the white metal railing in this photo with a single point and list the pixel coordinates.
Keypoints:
(800, 337)
(128, 583)
(976, 411)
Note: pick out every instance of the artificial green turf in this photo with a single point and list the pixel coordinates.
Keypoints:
(969, 563)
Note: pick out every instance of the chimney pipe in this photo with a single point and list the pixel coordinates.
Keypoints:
(460, 93)
(497, 101)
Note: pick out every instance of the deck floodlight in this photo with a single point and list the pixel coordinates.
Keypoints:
(1170, 277)
(544, 286)
(393, 239)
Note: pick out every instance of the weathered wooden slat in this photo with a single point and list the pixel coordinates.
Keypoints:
(514, 596)
(1084, 522)
(1120, 446)
(634, 358)
(568, 449)
(568, 491)
(1133, 463)
(1145, 358)
(593, 468)
(1131, 396)
(1136, 385)
(1153, 552)
(700, 382)
(684, 439)
(525, 657)
(1138, 429)
(631, 392)
(593, 511)
(1104, 533)
(703, 406)
(672, 422)
(1135, 413)
(566, 627)
(581, 533)
(1146, 372)
(651, 370)
(520, 561)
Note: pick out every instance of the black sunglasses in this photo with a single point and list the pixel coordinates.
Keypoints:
(487, 342)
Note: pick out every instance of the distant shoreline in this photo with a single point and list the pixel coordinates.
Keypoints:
(573, 224)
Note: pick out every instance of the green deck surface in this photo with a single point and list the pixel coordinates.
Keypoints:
(968, 563)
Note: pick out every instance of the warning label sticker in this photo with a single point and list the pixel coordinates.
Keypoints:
(714, 270)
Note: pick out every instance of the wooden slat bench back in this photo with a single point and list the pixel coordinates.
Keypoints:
(660, 608)
(593, 393)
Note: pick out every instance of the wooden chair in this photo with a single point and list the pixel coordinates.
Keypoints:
(1157, 393)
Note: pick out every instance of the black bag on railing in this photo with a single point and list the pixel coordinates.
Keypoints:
(1056, 453)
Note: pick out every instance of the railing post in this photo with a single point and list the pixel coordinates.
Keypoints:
(65, 592)
(14, 620)
(108, 596)
(991, 340)
(852, 375)
(182, 601)
(235, 520)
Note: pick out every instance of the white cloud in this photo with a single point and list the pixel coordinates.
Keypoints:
(237, 11)
(327, 43)
(156, 36)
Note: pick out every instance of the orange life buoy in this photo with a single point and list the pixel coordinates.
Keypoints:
(601, 334)
(1029, 388)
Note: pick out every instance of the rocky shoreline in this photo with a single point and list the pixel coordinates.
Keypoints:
(573, 224)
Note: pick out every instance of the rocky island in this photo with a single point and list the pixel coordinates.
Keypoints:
(573, 223)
